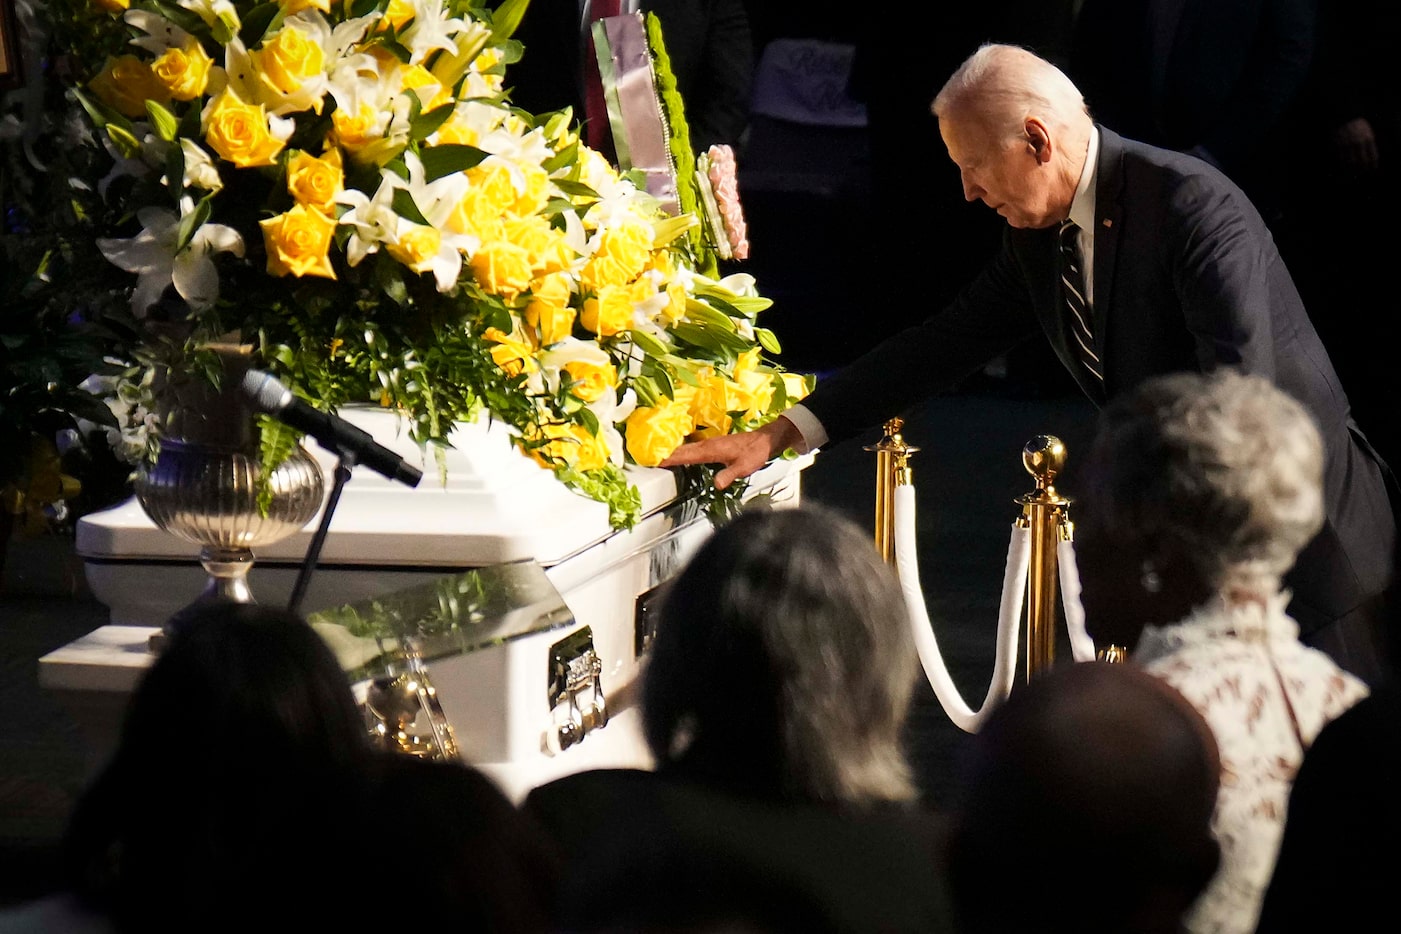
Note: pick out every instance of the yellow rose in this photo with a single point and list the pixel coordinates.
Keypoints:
(629, 244)
(126, 83)
(591, 380)
(796, 385)
(654, 432)
(537, 191)
(184, 72)
(675, 308)
(572, 444)
(553, 288)
(708, 404)
(416, 247)
(288, 59)
(356, 130)
(239, 131)
(298, 243)
(548, 311)
(476, 216)
(610, 312)
(314, 181)
(602, 272)
(112, 6)
(494, 180)
(510, 353)
(545, 245)
(502, 268)
(751, 392)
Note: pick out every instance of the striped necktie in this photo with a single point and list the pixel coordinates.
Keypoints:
(1072, 280)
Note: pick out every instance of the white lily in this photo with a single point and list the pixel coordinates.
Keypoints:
(436, 201)
(569, 350)
(213, 11)
(152, 255)
(432, 28)
(161, 33)
(200, 171)
(372, 220)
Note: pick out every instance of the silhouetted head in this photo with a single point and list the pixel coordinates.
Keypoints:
(468, 858)
(1084, 804)
(235, 778)
(783, 662)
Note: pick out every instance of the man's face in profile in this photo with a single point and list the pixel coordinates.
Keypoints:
(1006, 175)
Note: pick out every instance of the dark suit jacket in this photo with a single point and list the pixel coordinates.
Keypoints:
(645, 852)
(707, 41)
(1187, 277)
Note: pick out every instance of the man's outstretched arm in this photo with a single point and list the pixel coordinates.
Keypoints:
(741, 453)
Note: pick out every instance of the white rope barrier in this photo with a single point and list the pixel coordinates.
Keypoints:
(1082, 647)
(1008, 623)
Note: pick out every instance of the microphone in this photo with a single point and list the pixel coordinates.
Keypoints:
(333, 433)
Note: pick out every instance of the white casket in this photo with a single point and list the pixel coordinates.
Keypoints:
(511, 675)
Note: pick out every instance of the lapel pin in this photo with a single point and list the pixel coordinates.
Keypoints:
(1107, 222)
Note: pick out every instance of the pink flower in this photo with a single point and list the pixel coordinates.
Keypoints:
(725, 185)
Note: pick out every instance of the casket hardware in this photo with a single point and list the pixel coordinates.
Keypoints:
(577, 704)
(405, 716)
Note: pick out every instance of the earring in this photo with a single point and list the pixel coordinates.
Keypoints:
(1150, 580)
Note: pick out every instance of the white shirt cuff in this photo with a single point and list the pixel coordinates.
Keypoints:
(811, 430)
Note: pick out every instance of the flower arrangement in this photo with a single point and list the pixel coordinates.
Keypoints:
(345, 185)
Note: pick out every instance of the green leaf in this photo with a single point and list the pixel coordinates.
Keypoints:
(719, 301)
(586, 417)
(443, 160)
(497, 317)
(699, 336)
(646, 390)
(750, 305)
(424, 125)
(258, 22)
(649, 344)
(575, 189)
(189, 124)
(175, 169)
(192, 222)
(124, 140)
(703, 314)
(100, 114)
(506, 18)
(768, 340)
(162, 120)
(405, 207)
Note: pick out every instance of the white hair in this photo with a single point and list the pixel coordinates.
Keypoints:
(1005, 84)
(1226, 466)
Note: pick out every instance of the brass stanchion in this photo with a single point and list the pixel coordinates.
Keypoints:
(1044, 513)
(892, 470)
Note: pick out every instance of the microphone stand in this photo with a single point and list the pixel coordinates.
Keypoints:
(344, 465)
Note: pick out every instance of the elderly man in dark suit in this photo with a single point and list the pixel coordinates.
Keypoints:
(1164, 265)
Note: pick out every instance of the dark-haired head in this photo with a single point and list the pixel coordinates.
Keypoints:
(1093, 786)
(783, 663)
(238, 765)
